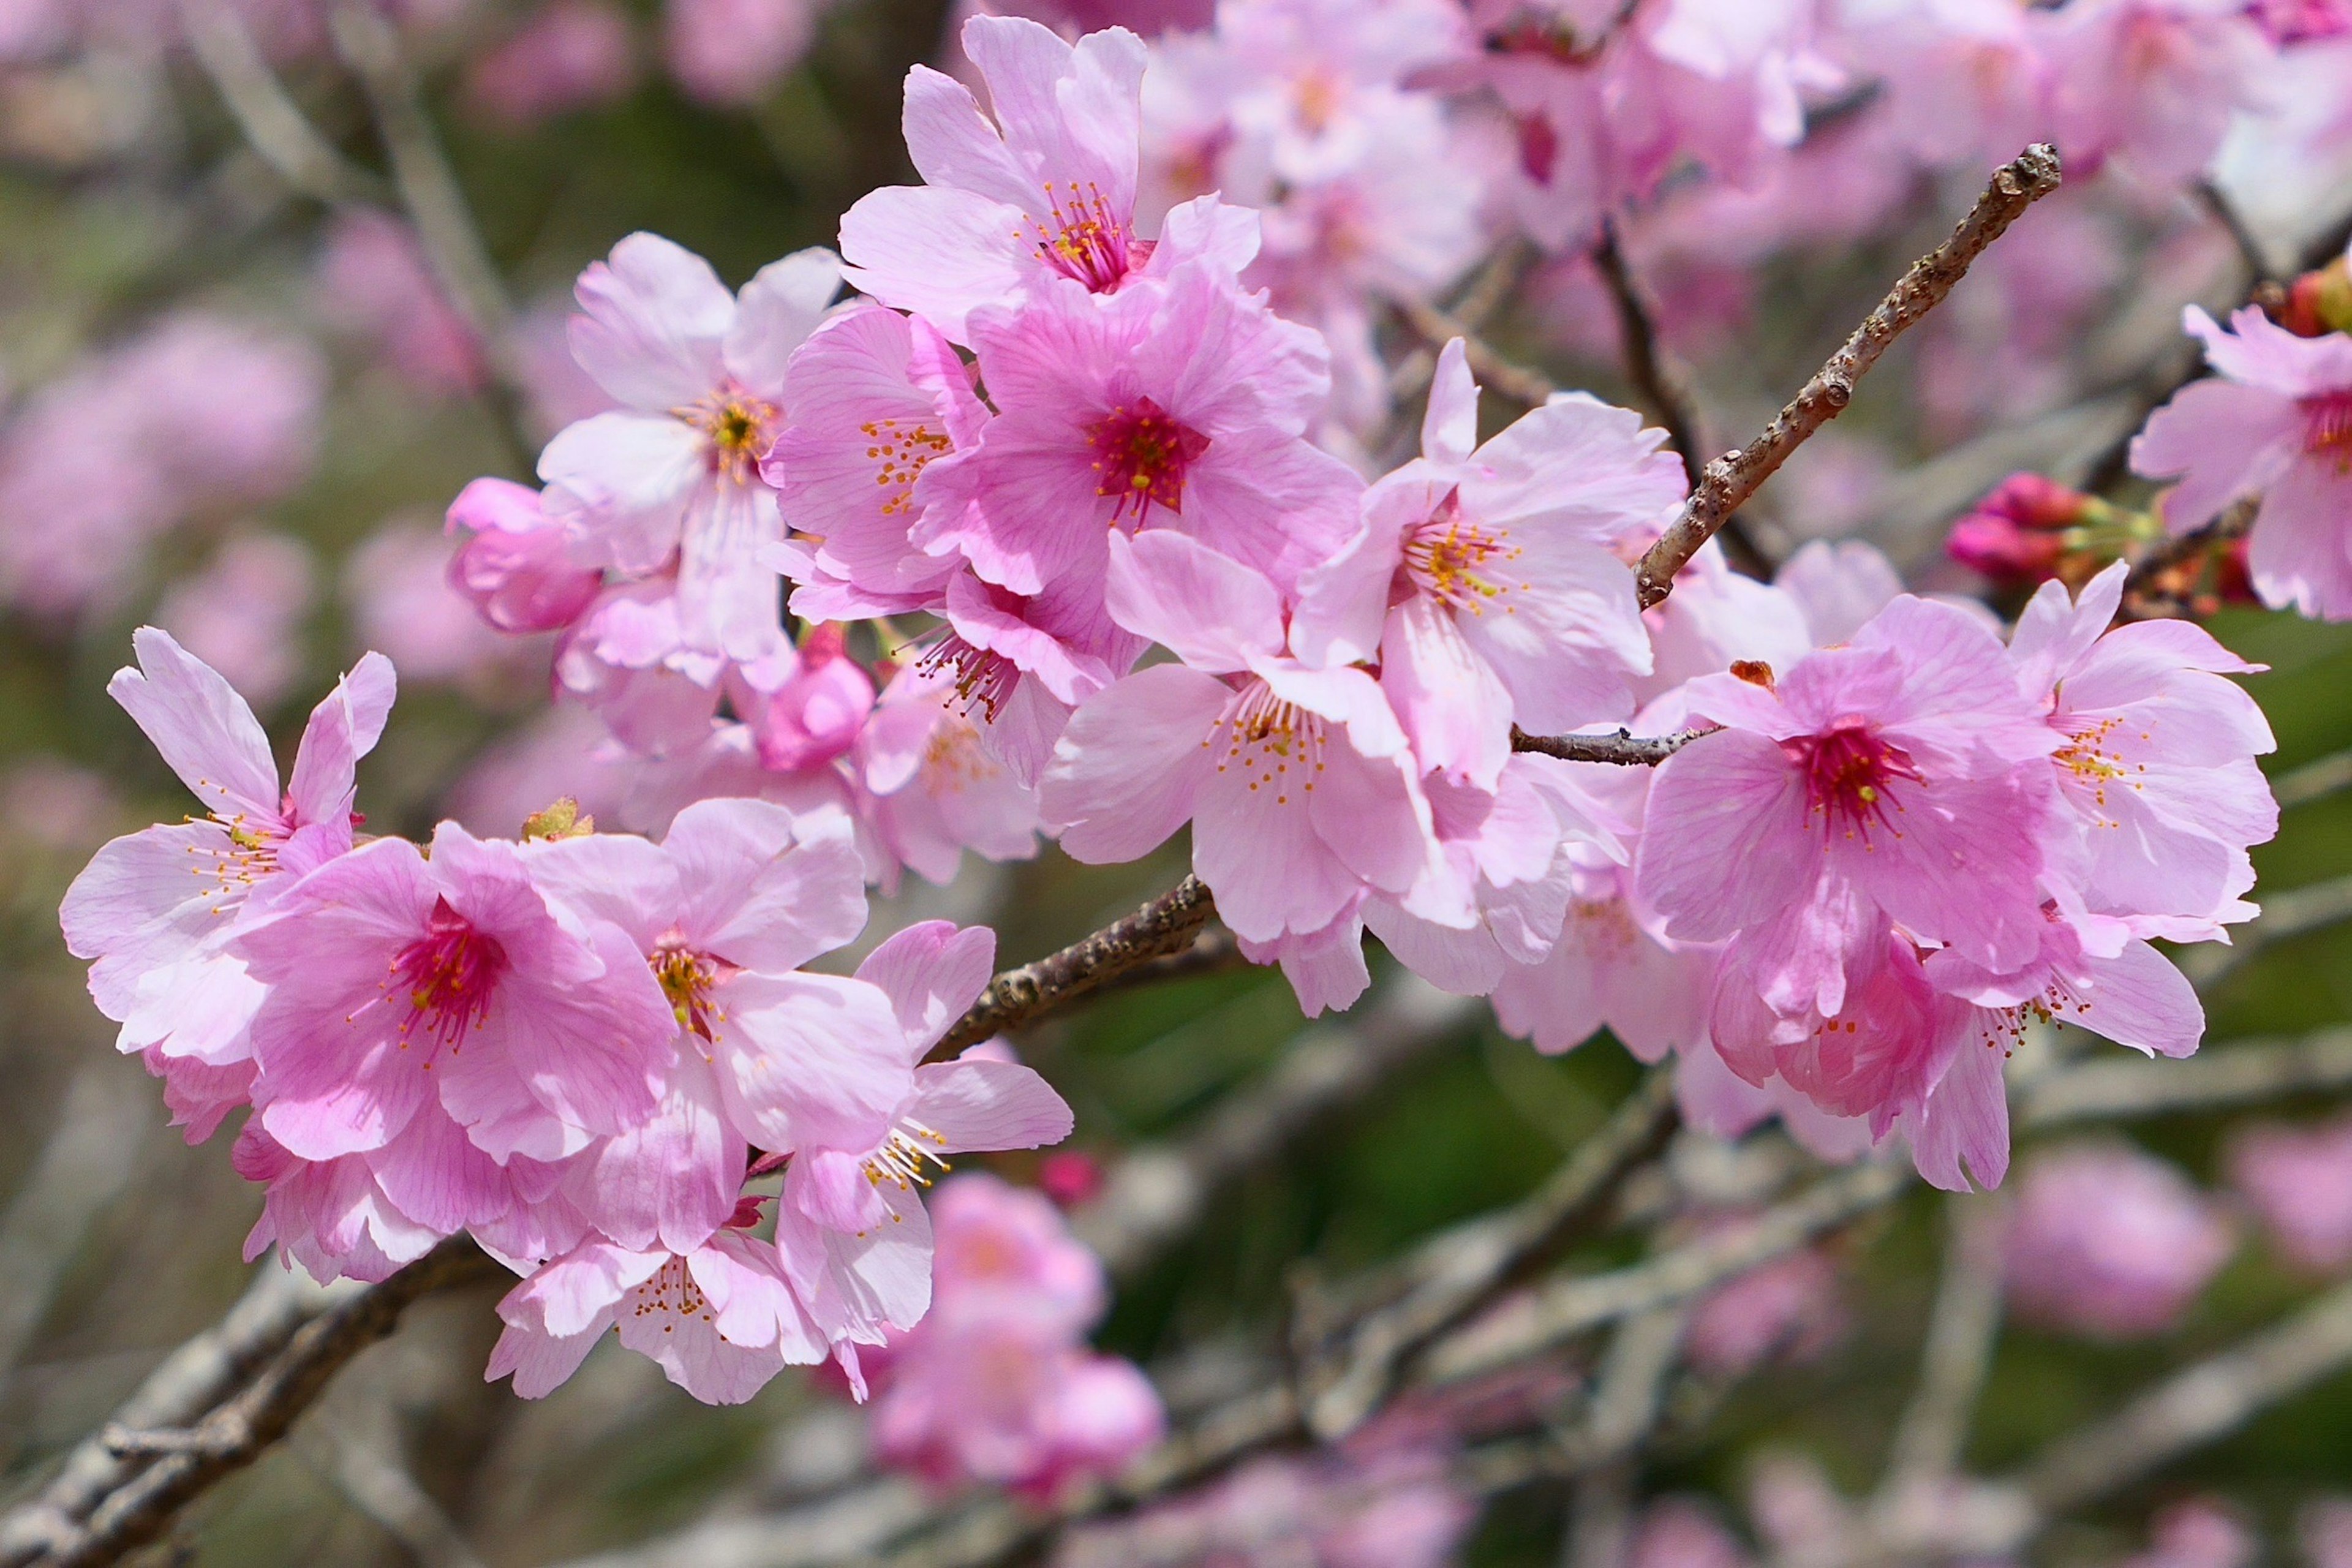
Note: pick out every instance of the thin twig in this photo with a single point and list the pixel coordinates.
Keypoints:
(273, 123)
(2224, 212)
(237, 1432)
(2313, 780)
(1637, 330)
(1485, 296)
(1961, 1329)
(2149, 592)
(2246, 1073)
(1522, 383)
(1623, 748)
(1626, 1402)
(437, 207)
(2298, 912)
(85, 1162)
(1165, 925)
(1728, 481)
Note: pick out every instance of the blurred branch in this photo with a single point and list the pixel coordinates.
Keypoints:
(2148, 595)
(2216, 203)
(86, 1162)
(2296, 913)
(1476, 306)
(2313, 781)
(1729, 481)
(368, 43)
(2242, 1073)
(1168, 924)
(1158, 1192)
(1623, 748)
(1962, 1327)
(2206, 1402)
(137, 1507)
(1645, 367)
(366, 1469)
(1600, 1454)
(273, 123)
(1522, 383)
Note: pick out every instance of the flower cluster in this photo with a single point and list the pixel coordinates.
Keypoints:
(572, 1046)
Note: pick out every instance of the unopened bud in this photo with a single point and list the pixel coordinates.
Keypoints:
(2318, 303)
(563, 819)
(1754, 671)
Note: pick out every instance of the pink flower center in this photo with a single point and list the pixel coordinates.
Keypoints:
(982, 677)
(687, 978)
(1082, 238)
(1275, 745)
(1142, 453)
(737, 429)
(451, 974)
(2327, 426)
(1458, 562)
(1847, 773)
(672, 1295)
(904, 1158)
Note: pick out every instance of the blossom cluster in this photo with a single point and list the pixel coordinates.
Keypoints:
(578, 1047)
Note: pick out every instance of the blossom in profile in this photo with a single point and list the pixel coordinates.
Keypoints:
(2273, 424)
(514, 564)
(2298, 1181)
(2111, 1243)
(674, 472)
(1483, 578)
(158, 911)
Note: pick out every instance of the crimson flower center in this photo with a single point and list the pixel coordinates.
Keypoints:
(1848, 774)
(1141, 454)
(2327, 426)
(451, 974)
(1082, 238)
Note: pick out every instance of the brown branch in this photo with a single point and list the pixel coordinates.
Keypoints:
(1727, 482)
(2313, 780)
(1437, 328)
(1622, 748)
(237, 1431)
(1168, 924)
(2249, 1072)
(1637, 330)
(1477, 305)
(2224, 211)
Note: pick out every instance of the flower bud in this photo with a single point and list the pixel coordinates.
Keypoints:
(515, 568)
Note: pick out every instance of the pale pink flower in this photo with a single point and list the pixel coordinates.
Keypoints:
(996, 1385)
(2157, 767)
(1683, 1533)
(722, 913)
(733, 51)
(936, 786)
(330, 1216)
(673, 473)
(1179, 406)
(514, 565)
(158, 910)
(1299, 783)
(397, 592)
(397, 983)
(1608, 968)
(1045, 193)
(569, 55)
(2110, 1242)
(2276, 423)
(721, 1319)
(2299, 1183)
(819, 708)
(1716, 617)
(1149, 17)
(1838, 587)
(2198, 1532)
(1788, 1311)
(2325, 1530)
(1966, 81)
(243, 613)
(1483, 582)
(852, 1218)
(373, 281)
(1896, 777)
(627, 657)
(2152, 84)
(52, 802)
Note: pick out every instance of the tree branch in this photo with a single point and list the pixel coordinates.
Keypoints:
(2296, 913)
(1437, 328)
(2313, 780)
(1638, 332)
(1166, 925)
(2242, 1073)
(272, 122)
(136, 1508)
(1728, 481)
(1961, 1330)
(1622, 748)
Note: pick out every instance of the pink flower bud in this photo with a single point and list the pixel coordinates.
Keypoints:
(1070, 1177)
(2017, 533)
(514, 568)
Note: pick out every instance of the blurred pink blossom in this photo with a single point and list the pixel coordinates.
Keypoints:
(2324, 1529)
(1789, 1310)
(243, 614)
(733, 51)
(566, 751)
(2299, 1181)
(1683, 1533)
(373, 281)
(1148, 18)
(570, 54)
(2110, 1242)
(2198, 1532)
(396, 583)
(58, 805)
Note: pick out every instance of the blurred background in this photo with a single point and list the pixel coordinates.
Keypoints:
(236, 403)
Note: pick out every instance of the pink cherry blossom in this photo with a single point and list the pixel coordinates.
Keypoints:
(158, 911)
(937, 785)
(2297, 1179)
(1789, 1310)
(569, 55)
(2275, 423)
(1149, 17)
(1892, 778)
(674, 472)
(1683, 1533)
(373, 281)
(733, 51)
(721, 1319)
(514, 564)
(1483, 579)
(2152, 84)
(2158, 763)
(2111, 1243)
(398, 983)
(1045, 193)
(852, 1214)
(1180, 406)
(2199, 1533)
(243, 613)
(1298, 781)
